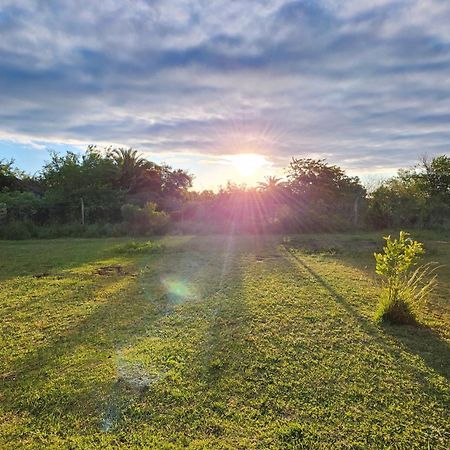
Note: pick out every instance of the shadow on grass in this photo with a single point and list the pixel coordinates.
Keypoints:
(122, 316)
(421, 341)
(424, 342)
(225, 327)
(49, 257)
(98, 333)
(363, 322)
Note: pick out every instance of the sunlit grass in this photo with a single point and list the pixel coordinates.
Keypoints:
(216, 342)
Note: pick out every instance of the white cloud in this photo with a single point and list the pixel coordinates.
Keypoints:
(363, 83)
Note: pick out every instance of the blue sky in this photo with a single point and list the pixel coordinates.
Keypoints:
(365, 84)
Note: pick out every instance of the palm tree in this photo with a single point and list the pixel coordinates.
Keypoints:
(132, 167)
(271, 184)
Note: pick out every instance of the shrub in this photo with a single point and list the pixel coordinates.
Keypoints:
(20, 206)
(17, 231)
(146, 220)
(132, 247)
(403, 287)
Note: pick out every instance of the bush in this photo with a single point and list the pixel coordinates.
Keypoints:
(403, 287)
(146, 220)
(132, 247)
(20, 206)
(17, 231)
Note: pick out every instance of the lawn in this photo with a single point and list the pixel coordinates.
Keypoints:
(217, 342)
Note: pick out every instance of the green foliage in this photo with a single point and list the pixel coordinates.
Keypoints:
(104, 180)
(404, 287)
(91, 177)
(19, 230)
(417, 197)
(10, 177)
(3, 211)
(315, 196)
(132, 247)
(146, 220)
(21, 206)
(16, 231)
(398, 257)
(323, 196)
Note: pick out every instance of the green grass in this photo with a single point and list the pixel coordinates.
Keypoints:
(216, 343)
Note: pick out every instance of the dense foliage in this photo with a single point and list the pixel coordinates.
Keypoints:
(418, 197)
(404, 286)
(99, 188)
(118, 191)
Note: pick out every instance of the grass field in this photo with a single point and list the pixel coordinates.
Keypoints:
(217, 343)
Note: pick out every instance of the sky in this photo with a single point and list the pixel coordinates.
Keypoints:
(228, 89)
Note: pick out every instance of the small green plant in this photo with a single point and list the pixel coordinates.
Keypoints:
(132, 247)
(404, 287)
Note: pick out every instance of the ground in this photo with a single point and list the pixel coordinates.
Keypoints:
(216, 342)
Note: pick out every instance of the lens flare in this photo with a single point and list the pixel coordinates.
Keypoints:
(177, 289)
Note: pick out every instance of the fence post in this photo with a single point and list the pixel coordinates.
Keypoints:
(82, 211)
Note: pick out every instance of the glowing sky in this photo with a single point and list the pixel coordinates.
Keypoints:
(363, 83)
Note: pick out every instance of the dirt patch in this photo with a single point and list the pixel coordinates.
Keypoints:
(7, 376)
(41, 275)
(111, 270)
(313, 247)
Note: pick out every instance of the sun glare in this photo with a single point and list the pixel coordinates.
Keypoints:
(248, 163)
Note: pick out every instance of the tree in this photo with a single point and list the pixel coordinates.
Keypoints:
(144, 181)
(270, 184)
(92, 177)
(419, 196)
(10, 177)
(322, 195)
(435, 177)
(133, 168)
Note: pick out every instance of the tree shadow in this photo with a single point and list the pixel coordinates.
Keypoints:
(113, 324)
(421, 341)
(363, 322)
(226, 319)
(424, 342)
(42, 258)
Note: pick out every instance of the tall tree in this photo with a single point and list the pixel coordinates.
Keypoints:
(271, 183)
(71, 177)
(133, 168)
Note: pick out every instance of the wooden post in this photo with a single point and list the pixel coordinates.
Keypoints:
(355, 211)
(82, 211)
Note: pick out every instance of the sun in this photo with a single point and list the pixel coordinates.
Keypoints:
(248, 163)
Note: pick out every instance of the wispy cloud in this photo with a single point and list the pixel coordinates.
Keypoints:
(364, 83)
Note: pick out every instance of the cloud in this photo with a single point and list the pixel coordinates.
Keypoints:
(363, 83)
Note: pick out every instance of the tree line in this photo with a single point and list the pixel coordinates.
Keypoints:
(116, 192)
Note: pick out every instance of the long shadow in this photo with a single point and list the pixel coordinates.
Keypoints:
(424, 342)
(225, 324)
(48, 257)
(121, 326)
(198, 282)
(363, 322)
(114, 321)
(227, 347)
(107, 327)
